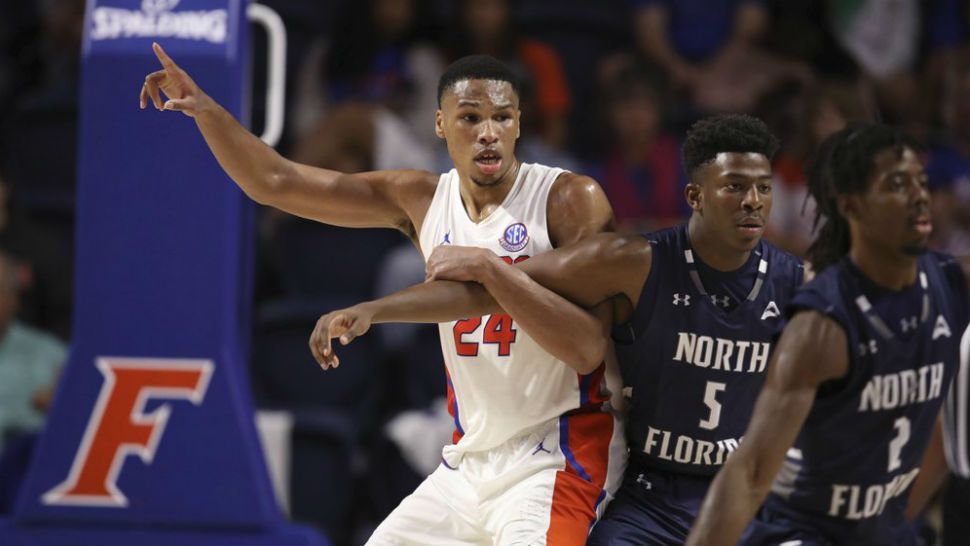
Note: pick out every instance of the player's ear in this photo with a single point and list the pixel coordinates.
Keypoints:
(848, 205)
(439, 120)
(692, 192)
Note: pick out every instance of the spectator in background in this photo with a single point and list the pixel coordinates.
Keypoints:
(709, 50)
(803, 117)
(380, 80)
(30, 360)
(890, 40)
(641, 169)
(487, 27)
(949, 162)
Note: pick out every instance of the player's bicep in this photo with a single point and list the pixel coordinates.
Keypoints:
(812, 350)
(371, 199)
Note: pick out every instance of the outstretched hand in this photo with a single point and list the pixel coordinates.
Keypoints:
(346, 324)
(183, 94)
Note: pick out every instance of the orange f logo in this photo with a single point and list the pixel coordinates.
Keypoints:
(118, 426)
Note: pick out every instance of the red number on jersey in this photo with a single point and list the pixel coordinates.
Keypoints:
(498, 329)
(461, 328)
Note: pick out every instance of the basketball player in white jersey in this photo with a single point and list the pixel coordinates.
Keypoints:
(535, 436)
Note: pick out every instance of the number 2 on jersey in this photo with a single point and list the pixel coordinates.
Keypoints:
(896, 445)
(498, 329)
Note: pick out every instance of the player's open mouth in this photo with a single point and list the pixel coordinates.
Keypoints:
(488, 162)
(923, 225)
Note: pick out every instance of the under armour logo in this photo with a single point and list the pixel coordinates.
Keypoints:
(941, 328)
(447, 239)
(682, 300)
(541, 447)
(868, 348)
(644, 482)
(771, 311)
(908, 324)
(723, 301)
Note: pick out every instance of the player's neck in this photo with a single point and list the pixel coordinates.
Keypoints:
(893, 271)
(711, 251)
(479, 200)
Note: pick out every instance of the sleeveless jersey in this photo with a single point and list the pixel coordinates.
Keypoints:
(692, 368)
(501, 383)
(849, 473)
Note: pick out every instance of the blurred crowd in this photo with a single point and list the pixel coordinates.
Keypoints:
(609, 90)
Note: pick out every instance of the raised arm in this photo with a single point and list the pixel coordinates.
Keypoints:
(812, 349)
(393, 199)
(600, 268)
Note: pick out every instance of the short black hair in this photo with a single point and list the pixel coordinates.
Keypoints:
(477, 67)
(726, 133)
(843, 165)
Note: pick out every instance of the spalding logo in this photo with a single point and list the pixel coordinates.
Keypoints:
(157, 19)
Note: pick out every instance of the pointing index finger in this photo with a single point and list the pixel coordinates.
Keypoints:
(163, 57)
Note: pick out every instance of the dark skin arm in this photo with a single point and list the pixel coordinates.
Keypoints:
(603, 268)
(394, 199)
(530, 293)
(813, 349)
(932, 474)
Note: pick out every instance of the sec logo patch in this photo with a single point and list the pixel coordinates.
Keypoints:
(515, 237)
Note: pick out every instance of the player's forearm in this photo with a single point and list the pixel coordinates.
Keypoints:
(434, 302)
(257, 168)
(565, 330)
(933, 473)
(729, 505)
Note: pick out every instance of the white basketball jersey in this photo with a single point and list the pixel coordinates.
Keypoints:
(501, 383)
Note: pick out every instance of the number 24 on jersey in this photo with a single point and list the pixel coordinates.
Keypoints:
(498, 330)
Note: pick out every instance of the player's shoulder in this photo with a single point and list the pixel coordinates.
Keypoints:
(955, 269)
(669, 239)
(824, 299)
(570, 187)
(413, 191)
(947, 262)
(576, 206)
(826, 291)
(783, 262)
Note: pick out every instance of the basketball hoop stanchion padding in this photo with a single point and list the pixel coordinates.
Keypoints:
(151, 438)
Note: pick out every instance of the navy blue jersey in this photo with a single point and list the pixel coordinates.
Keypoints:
(850, 470)
(696, 350)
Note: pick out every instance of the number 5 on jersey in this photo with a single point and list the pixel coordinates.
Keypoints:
(710, 400)
(498, 330)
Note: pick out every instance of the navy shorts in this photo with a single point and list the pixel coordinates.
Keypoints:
(777, 525)
(651, 507)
